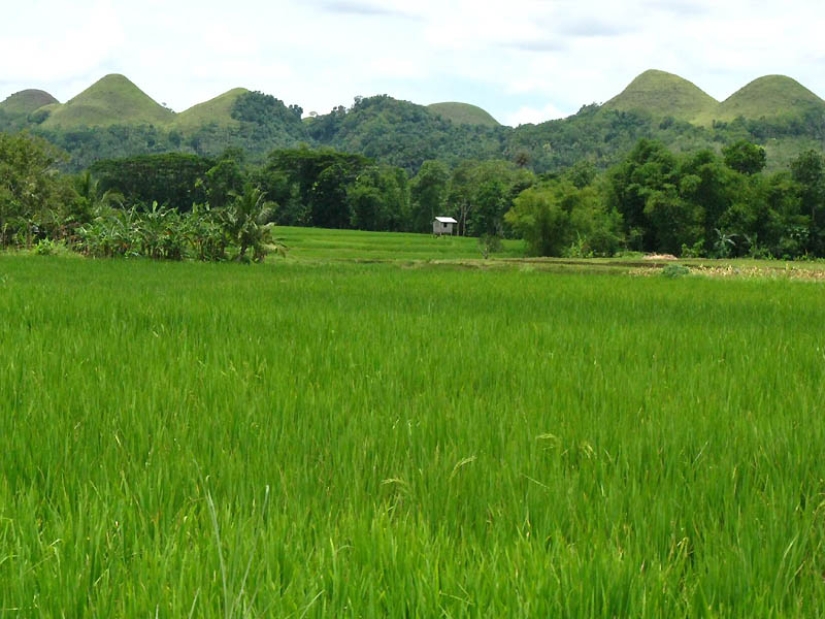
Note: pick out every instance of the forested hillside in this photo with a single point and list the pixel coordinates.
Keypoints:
(114, 118)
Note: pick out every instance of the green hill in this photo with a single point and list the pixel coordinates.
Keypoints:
(463, 114)
(769, 97)
(26, 101)
(661, 95)
(113, 100)
(404, 134)
(217, 111)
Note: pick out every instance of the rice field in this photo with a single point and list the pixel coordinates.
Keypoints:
(340, 439)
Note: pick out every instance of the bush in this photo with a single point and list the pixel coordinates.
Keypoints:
(673, 271)
(46, 247)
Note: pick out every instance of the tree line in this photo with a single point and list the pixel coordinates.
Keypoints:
(177, 205)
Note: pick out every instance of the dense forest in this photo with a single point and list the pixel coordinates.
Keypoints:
(211, 182)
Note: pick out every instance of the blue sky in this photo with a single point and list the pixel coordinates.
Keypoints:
(521, 60)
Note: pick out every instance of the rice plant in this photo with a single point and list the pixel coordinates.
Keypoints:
(342, 439)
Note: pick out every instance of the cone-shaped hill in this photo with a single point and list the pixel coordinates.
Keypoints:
(26, 101)
(663, 94)
(217, 111)
(463, 114)
(769, 97)
(112, 100)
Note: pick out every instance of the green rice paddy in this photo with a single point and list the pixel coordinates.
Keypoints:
(310, 438)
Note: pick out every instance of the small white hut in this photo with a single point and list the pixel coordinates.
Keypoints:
(443, 225)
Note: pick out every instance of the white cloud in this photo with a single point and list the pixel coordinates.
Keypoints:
(533, 115)
(397, 68)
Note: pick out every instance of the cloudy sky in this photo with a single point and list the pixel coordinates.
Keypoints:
(521, 60)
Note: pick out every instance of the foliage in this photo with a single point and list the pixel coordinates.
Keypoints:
(236, 232)
(403, 134)
(745, 157)
(313, 184)
(268, 118)
(114, 119)
(556, 218)
(481, 192)
(808, 170)
(656, 198)
(379, 199)
(174, 180)
(226, 177)
(32, 196)
(243, 222)
(429, 190)
(675, 271)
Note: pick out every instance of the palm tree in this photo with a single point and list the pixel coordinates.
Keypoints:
(245, 222)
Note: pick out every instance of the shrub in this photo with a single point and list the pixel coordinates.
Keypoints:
(673, 271)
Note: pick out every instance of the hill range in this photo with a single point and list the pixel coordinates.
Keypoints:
(115, 100)
(664, 94)
(774, 110)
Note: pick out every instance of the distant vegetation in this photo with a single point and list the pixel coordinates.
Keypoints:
(647, 171)
(114, 118)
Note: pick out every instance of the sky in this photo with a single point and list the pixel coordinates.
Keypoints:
(521, 60)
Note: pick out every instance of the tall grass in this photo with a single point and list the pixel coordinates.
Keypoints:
(305, 440)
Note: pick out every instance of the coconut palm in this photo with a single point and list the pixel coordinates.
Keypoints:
(245, 222)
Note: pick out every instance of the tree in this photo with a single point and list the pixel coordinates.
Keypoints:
(556, 218)
(329, 204)
(808, 171)
(537, 216)
(225, 178)
(674, 222)
(745, 157)
(315, 182)
(481, 192)
(379, 199)
(267, 117)
(90, 202)
(650, 169)
(428, 193)
(174, 180)
(492, 201)
(32, 195)
(243, 222)
(711, 188)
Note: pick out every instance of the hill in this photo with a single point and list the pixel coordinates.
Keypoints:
(112, 100)
(217, 111)
(769, 97)
(404, 134)
(463, 114)
(26, 101)
(661, 95)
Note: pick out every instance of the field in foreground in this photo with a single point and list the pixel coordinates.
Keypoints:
(306, 440)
